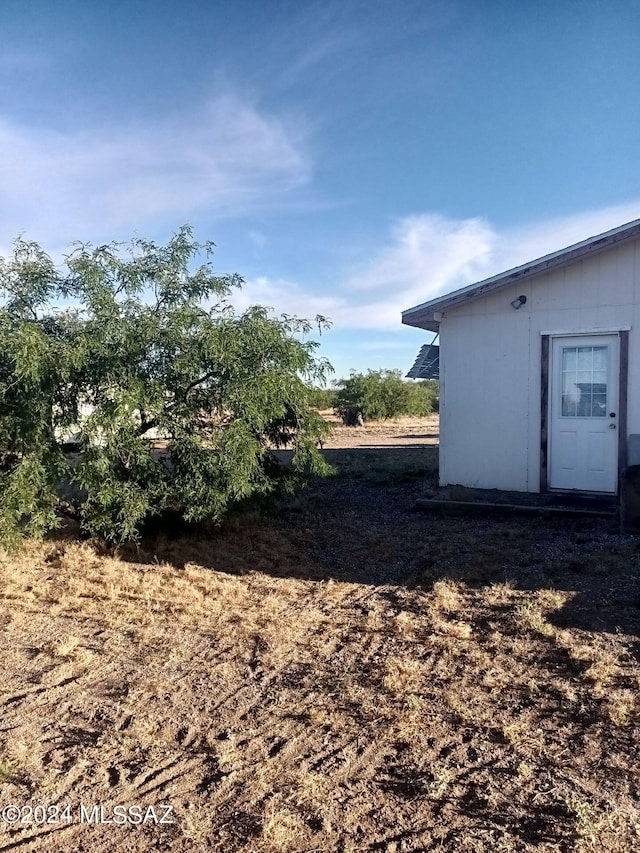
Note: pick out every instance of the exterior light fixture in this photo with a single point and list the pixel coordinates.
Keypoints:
(519, 302)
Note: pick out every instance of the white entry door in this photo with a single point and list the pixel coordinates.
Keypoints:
(583, 423)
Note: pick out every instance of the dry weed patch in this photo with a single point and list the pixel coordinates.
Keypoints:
(346, 676)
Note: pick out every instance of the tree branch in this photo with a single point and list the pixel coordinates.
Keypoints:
(197, 382)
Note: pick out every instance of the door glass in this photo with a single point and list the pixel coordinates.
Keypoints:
(584, 382)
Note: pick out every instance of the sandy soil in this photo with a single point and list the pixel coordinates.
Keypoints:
(349, 675)
(402, 432)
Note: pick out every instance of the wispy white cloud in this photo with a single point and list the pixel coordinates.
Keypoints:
(229, 159)
(326, 49)
(526, 243)
(426, 256)
(420, 247)
(287, 297)
(426, 252)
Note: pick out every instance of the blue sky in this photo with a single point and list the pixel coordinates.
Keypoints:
(349, 158)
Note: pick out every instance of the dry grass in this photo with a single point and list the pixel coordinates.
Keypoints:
(347, 676)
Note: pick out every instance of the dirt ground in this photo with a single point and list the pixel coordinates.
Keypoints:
(403, 432)
(348, 675)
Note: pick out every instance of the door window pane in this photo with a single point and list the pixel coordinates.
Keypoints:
(600, 358)
(584, 382)
(584, 358)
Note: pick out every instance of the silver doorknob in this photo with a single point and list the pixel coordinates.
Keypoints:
(612, 426)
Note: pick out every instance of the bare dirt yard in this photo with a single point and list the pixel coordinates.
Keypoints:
(347, 675)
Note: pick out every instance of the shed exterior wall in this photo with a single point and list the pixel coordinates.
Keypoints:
(490, 364)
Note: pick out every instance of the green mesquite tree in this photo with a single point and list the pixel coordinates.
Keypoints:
(175, 399)
(383, 394)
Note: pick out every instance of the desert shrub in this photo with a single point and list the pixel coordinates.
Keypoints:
(323, 398)
(383, 394)
(122, 346)
(431, 390)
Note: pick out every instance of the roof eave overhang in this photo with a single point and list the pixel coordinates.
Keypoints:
(420, 321)
(428, 315)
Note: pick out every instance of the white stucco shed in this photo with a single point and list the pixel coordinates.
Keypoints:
(540, 370)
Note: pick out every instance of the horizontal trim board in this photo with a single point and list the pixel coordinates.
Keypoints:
(567, 333)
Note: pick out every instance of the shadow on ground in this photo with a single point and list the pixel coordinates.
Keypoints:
(361, 526)
(351, 674)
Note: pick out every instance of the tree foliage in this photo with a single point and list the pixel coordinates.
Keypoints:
(383, 394)
(127, 344)
(323, 398)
